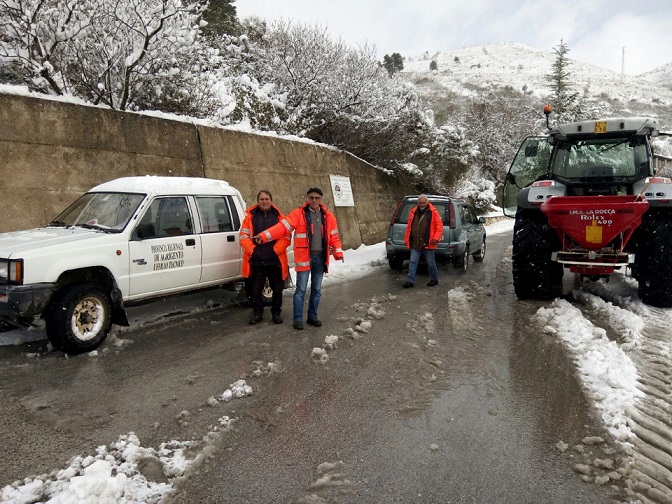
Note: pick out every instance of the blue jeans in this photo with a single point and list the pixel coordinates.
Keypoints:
(316, 274)
(431, 264)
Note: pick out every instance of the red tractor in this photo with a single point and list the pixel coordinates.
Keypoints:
(587, 198)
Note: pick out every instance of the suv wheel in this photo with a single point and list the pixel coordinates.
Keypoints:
(480, 255)
(462, 262)
(79, 318)
(396, 263)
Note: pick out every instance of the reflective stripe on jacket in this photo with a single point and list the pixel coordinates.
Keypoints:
(296, 221)
(435, 227)
(280, 247)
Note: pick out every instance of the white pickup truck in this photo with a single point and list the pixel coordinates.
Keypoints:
(126, 240)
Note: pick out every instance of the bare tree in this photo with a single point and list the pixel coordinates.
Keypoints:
(114, 52)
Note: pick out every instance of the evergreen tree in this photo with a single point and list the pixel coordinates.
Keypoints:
(433, 65)
(393, 63)
(564, 99)
(220, 16)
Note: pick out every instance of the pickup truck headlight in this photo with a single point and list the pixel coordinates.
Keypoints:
(11, 271)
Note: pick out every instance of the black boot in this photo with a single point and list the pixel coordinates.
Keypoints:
(277, 319)
(256, 317)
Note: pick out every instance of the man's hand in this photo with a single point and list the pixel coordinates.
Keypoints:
(433, 241)
(257, 239)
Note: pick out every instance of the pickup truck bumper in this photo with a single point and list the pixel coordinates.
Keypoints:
(24, 300)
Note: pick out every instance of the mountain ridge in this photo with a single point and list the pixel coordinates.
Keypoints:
(472, 70)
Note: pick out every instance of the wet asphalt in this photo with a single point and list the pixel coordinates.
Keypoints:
(450, 397)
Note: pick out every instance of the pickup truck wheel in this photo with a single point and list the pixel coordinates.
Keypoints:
(480, 255)
(267, 294)
(654, 260)
(462, 262)
(79, 319)
(535, 276)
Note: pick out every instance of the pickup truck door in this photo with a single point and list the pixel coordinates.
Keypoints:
(165, 253)
(222, 254)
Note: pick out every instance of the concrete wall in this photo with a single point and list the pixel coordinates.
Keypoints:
(51, 152)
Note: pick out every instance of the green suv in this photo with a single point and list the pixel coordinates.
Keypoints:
(463, 232)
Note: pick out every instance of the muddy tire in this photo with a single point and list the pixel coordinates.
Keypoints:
(653, 259)
(480, 255)
(79, 318)
(535, 276)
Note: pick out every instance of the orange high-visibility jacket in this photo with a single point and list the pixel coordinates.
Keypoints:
(296, 221)
(246, 234)
(435, 227)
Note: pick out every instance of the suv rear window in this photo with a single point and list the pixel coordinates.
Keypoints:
(444, 208)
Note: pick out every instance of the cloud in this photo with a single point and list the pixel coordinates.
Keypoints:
(595, 31)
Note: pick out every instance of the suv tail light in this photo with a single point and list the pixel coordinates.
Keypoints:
(396, 212)
(452, 221)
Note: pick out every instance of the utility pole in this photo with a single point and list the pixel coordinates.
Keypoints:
(622, 65)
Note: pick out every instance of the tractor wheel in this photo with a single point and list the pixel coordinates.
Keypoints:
(535, 276)
(79, 318)
(653, 259)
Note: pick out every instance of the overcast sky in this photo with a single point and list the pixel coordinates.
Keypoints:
(595, 30)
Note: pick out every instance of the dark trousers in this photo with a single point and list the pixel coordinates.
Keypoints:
(258, 280)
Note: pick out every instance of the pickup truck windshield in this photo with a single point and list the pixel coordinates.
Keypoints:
(103, 211)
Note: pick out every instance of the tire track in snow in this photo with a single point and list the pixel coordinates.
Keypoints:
(650, 417)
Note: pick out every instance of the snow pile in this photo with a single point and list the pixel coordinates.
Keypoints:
(236, 390)
(112, 476)
(607, 373)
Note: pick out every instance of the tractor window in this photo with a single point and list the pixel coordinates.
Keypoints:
(531, 163)
(599, 158)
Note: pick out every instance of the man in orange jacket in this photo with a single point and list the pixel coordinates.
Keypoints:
(423, 232)
(267, 260)
(315, 238)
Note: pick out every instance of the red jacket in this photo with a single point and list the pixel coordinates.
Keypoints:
(296, 221)
(435, 227)
(246, 234)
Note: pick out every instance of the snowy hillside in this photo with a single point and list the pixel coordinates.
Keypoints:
(661, 75)
(471, 70)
